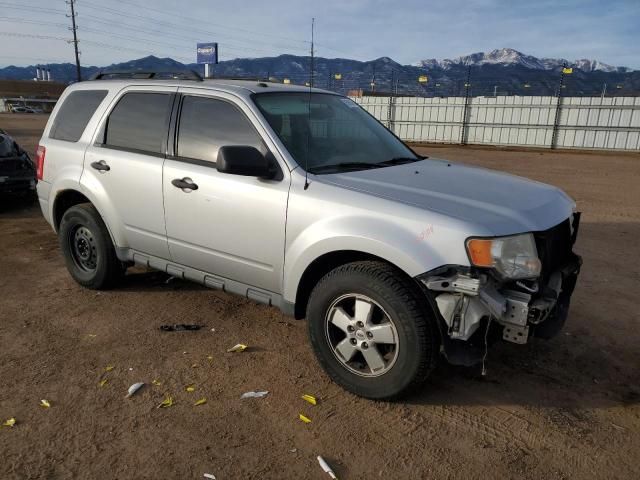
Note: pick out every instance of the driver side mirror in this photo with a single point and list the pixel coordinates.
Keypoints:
(246, 161)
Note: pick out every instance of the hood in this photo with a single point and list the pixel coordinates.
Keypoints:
(500, 203)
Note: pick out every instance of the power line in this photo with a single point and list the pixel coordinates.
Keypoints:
(182, 39)
(191, 28)
(165, 45)
(90, 42)
(29, 35)
(33, 9)
(227, 27)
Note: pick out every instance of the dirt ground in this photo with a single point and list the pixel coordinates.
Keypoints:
(563, 409)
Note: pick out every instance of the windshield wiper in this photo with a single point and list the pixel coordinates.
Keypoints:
(399, 161)
(345, 166)
(363, 165)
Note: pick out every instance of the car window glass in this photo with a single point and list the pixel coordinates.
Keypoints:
(206, 124)
(139, 122)
(322, 129)
(74, 114)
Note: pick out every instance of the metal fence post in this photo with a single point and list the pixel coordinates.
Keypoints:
(390, 106)
(465, 112)
(556, 121)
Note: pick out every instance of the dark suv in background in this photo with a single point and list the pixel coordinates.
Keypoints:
(17, 172)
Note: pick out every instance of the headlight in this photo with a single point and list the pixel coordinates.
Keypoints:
(512, 257)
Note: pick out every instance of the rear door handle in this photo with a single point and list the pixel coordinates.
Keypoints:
(101, 166)
(184, 183)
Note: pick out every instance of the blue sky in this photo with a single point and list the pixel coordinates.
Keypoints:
(405, 30)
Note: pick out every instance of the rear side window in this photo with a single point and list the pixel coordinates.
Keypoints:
(140, 121)
(75, 113)
(206, 124)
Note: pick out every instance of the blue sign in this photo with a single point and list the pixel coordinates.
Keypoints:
(207, 53)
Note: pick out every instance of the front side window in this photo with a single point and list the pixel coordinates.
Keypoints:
(139, 121)
(327, 133)
(74, 114)
(206, 124)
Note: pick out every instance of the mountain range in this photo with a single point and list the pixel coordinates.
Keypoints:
(502, 71)
(510, 57)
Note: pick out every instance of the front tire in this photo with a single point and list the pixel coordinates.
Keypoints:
(371, 331)
(87, 248)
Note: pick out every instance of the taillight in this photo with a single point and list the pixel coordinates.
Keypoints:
(40, 152)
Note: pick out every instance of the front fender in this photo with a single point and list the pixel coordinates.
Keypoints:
(414, 247)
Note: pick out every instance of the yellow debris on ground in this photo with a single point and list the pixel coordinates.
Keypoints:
(166, 403)
(310, 399)
(10, 422)
(304, 419)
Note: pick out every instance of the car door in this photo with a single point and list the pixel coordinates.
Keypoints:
(232, 226)
(123, 167)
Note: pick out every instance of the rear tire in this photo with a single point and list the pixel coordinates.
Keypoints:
(371, 330)
(87, 248)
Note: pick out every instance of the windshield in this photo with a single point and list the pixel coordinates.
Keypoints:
(328, 133)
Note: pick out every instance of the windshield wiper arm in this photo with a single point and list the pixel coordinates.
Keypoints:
(399, 160)
(345, 166)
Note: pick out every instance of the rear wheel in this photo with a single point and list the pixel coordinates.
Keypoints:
(370, 330)
(86, 244)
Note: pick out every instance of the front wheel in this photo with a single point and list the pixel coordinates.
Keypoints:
(370, 330)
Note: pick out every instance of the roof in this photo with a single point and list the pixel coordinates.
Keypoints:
(238, 87)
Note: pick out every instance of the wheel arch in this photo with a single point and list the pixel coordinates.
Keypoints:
(65, 199)
(322, 265)
(69, 197)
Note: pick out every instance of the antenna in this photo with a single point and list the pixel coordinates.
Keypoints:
(306, 160)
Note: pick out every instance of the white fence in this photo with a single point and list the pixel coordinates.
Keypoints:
(609, 123)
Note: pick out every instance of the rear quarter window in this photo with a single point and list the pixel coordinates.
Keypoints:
(74, 114)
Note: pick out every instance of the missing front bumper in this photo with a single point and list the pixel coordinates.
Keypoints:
(466, 301)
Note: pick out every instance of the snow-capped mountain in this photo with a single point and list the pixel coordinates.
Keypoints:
(510, 57)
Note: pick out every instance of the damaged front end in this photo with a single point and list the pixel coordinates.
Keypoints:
(517, 287)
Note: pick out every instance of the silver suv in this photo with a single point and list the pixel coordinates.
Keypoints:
(298, 198)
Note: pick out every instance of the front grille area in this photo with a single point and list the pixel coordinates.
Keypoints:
(554, 247)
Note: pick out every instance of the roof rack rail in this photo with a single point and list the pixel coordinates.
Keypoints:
(147, 75)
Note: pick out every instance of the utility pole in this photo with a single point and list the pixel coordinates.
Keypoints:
(74, 28)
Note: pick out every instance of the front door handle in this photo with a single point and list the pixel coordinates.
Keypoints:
(101, 166)
(184, 183)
